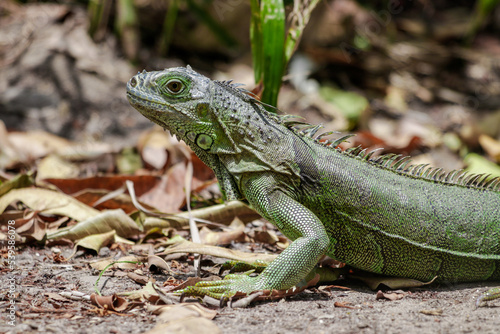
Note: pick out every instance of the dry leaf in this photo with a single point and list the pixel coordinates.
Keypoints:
(112, 303)
(96, 241)
(190, 247)
(54, 166)
(158, 262)
(185, 318)
(491, 146)
(391, 282)
(106, 221)
(390, 296)
(267, 237)
(437, 312)
(237, 233)
(49, 202)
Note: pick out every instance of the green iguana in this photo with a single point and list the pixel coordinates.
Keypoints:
(378, 214)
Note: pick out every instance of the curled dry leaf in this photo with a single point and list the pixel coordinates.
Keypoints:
(158, 262)
(128, 262)
(190, 247)
(104, 263)
(183, 310)
(138, 278)
(54, 165)
(36, 144)
(142, 183)
(112, 303)
(184, 318)
(267, 237)
(237, 233)
(395, 295)
(391, 282)
(491, 146)
(49, 202)
(437, 312)
(147, 292)
(95, 241)
(223, 214)
(31, 226)
(168, 194)
(103, 222)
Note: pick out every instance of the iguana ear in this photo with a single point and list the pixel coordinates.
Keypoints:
(220, 135)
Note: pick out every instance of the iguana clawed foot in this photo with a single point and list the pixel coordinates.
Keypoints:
(225, 288)
(241, 287)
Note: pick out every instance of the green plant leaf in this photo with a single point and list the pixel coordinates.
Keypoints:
(273, 40)
(256, 40)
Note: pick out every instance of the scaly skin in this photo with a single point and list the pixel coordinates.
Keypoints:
(379, 215)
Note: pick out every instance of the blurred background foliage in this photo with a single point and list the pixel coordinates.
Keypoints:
(273, 37)
(412, 75)
(275, 27)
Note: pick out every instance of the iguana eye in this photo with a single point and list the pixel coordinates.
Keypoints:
(175, 86)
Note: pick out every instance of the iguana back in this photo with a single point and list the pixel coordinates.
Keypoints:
(385, 219)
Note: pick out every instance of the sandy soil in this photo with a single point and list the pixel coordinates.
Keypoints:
(436, 309)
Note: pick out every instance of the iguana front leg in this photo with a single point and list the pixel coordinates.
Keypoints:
(310, 242)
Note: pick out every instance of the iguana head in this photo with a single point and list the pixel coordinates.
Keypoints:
(214, 116)
(178, 99)
(225, 126)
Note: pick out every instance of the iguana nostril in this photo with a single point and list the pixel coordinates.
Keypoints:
(133, 82)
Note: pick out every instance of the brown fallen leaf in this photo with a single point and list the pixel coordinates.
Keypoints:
(94, 242)
(48, 202)
(112, 303)
(159, 263)
(344, 305)
(54, 165)
(191, 247)
(31, 226)
(390, 296)
(101, 222)
(491, 146)
(437, 312)
(168, 194)
(267, 237)
(391, 282)
(184, 318)
(138, 278)
(146, 293)
(143, 183)
(237, 233)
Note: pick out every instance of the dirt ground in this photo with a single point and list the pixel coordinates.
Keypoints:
(434, 309)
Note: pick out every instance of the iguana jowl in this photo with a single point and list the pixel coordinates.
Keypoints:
(377, 214)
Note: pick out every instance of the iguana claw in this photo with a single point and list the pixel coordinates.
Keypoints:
(227, 288)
